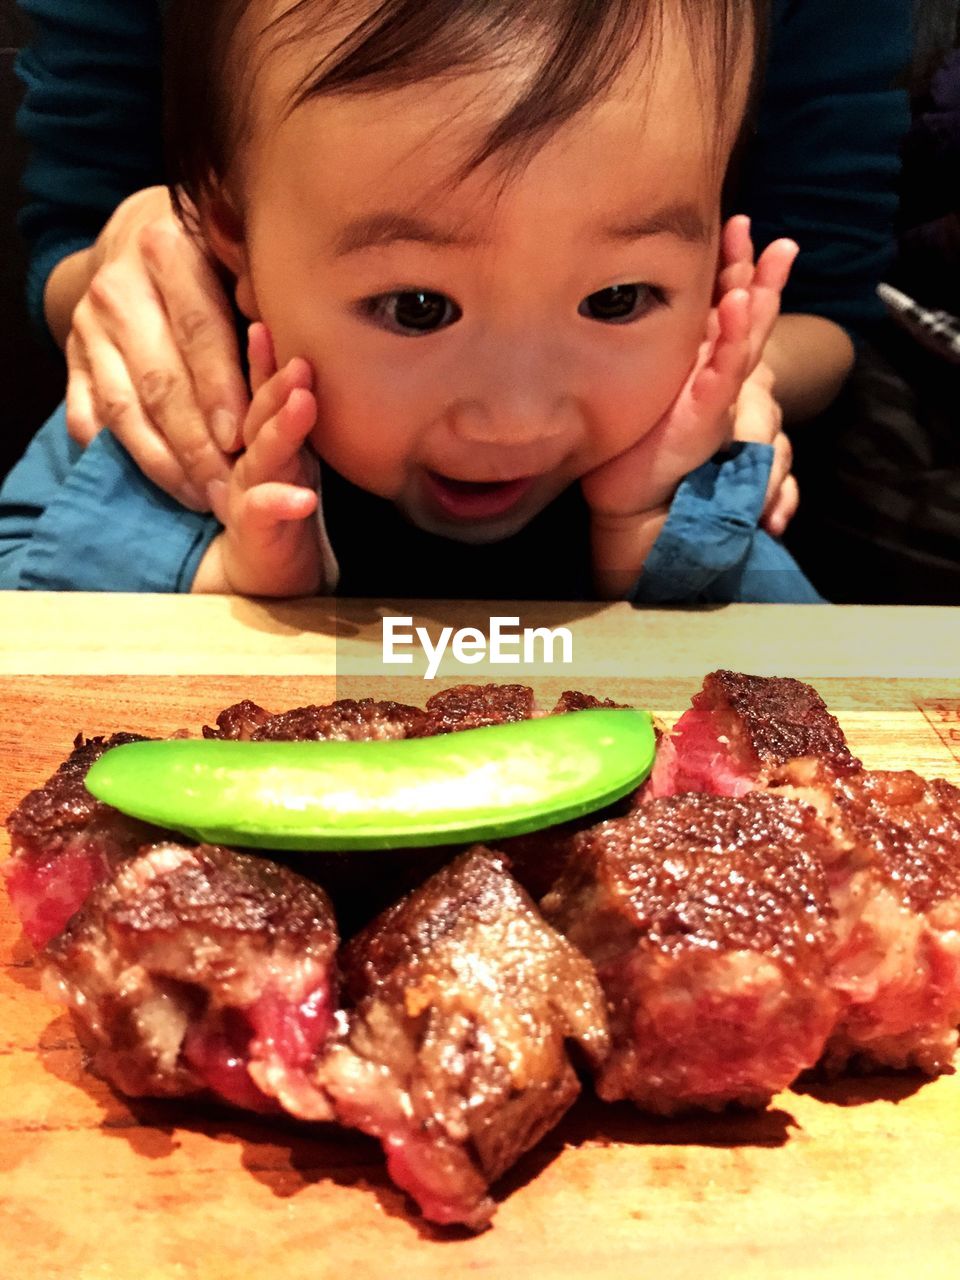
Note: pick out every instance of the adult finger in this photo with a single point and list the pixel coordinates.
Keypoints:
(202, 324)
(260, 355)
(118, 407)
(82, 423)
(132, 315)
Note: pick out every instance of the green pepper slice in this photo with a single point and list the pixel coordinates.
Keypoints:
(477, 784)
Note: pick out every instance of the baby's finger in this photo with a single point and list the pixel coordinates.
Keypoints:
(759, 415)
(273, 395)
(779, 471)
(738, 276)
(769, 281)
(718, 384)
(260, 355)
(259, 508)
(784, 509)
(276, 448)
(736, 257)
(267, 504)
(775, 263)
(736, 243)
(82, 424)
(202, 326)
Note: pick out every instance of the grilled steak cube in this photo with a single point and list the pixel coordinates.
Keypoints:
(463, 1001)
(894, 876)
(709, 924)
(201, 969)
(744, 732)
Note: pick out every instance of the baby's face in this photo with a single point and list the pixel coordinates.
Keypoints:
(479, 344)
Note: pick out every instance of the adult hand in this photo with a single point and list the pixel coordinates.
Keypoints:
(152, 351)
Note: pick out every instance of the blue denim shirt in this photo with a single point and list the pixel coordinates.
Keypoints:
(75, 519)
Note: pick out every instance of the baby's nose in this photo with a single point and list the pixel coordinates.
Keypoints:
(514, 403)
(477, 423)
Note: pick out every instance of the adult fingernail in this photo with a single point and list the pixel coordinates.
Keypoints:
(225, 429)
(194, 499)
(216, 491)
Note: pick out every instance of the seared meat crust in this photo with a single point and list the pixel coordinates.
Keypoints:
(573, 700)
(709, 923)
(48, 817)
(780, 720)
(467, 706)
(906, 827)
(345, 720)
(462, 1000)
(470, 706)
(238, 722)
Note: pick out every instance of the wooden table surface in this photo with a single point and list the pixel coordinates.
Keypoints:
(857, 1178)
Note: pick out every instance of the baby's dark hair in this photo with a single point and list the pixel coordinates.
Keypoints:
(578, 48)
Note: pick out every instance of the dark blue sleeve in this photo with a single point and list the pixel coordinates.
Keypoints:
(711, 549)
(824, 164)
(91, 116)
(75, 519)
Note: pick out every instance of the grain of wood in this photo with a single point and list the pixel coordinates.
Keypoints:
(860, 1178)
(48, 633)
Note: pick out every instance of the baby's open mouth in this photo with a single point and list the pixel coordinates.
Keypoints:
(475, 499)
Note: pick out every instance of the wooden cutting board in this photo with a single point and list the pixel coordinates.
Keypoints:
(856, 1178)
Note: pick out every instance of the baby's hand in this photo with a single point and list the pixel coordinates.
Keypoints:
(629, 496)
(758, 417)
(271, 543)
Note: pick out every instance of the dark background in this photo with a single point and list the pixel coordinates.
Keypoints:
(31, 371)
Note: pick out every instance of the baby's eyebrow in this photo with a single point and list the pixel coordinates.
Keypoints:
(683, 220)
(385, 228)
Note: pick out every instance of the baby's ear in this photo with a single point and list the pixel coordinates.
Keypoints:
(223, 230)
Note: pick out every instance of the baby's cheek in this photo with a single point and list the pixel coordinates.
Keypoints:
(632, 409)
(362, 455)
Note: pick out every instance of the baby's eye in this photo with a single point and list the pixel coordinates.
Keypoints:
(621, 303)
(412, 311)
